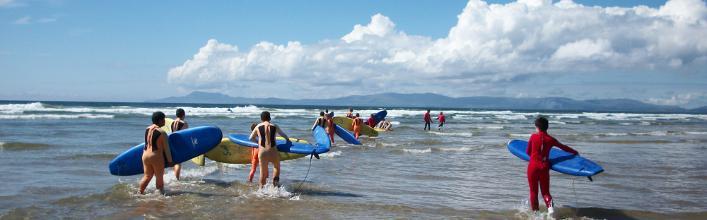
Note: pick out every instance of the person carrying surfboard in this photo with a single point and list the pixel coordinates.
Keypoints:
(356, 124)
(539, 146)
(321, 121)
(155, 152)
(179, 124)
(371, 121)
(428, 120)
(267, 147)
(441, 120)
(330, 129)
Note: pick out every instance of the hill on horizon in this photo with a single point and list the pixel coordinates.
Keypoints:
(431, 100)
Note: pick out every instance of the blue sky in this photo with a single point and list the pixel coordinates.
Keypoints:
(137, 50)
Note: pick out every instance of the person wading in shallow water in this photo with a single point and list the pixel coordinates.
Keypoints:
(539, 146)
(428, 120)
(267, 148)
(179, 124)
(155, 152)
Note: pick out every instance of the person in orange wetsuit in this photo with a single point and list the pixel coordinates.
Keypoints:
(330, 129)
(155, 152)
(356, 125)
(253, 157)
(179, 124)
(539, 146)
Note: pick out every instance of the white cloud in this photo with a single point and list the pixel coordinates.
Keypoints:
(690, 100)
(489, 43)
(6, 3)
(29, 20)
(23, 20)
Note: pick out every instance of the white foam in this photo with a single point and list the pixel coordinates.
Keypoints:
(270, 191)
(459, 134)
(56, 116)
(418, 151)
(457, 149)
(520, 135)
(687, 132)
(331, 154)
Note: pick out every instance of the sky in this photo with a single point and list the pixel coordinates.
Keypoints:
(653, 51)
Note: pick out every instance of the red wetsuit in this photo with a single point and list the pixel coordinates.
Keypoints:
(371, 122)
(427, 117)
(539, 146)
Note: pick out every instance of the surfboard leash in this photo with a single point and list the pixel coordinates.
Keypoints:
(306, 175)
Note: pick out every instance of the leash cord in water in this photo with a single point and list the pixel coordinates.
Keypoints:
(306, 175)
(576, 207)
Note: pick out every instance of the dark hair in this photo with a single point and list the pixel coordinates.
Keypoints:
(350, 109)
(157, 116)
(253, 125)
(357, 115)
(321, 113)
(542, 123)
(265, 116)
(180, 112)
(428, 110)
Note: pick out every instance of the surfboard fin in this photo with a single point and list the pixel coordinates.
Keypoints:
(316, 155)
(590, 179)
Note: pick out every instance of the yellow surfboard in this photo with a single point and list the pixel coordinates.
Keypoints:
(229, 152)
(345, 123)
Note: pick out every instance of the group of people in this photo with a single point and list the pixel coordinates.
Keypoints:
(156, 150)
(428, 120)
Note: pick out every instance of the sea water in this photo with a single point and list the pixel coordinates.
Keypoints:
(54, 164)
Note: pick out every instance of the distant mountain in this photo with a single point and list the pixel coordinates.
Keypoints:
(701, 110)
(430, 100)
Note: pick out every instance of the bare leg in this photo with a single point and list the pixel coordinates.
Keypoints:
(177, 170)
(159, 176)
(276, 171)
(149, 172)
(263, 172)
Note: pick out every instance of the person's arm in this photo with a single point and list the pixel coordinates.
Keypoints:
(563, 147)
(186, 125)
(316, 122)
(281, 133)
(165, 145)
(253, 134)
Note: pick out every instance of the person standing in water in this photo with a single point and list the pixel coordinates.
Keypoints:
(155, 151)
(330, 129)
(321, 121)
(539, 146)
(253, 157)
(371, 121)
(350, 114)
(428, 120)
(356, 125)
(179, 124)
(267, 148)
(441, 120)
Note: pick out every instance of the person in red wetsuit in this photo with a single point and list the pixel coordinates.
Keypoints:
(441, 120)
(539, 146)
(428, 120)
(371, 121)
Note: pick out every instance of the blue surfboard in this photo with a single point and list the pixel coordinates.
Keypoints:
(346, 135)
(380, 115)
(322, 146)
(560, 160)
(183, 145)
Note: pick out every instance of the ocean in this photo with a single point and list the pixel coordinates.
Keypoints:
(54, 164)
